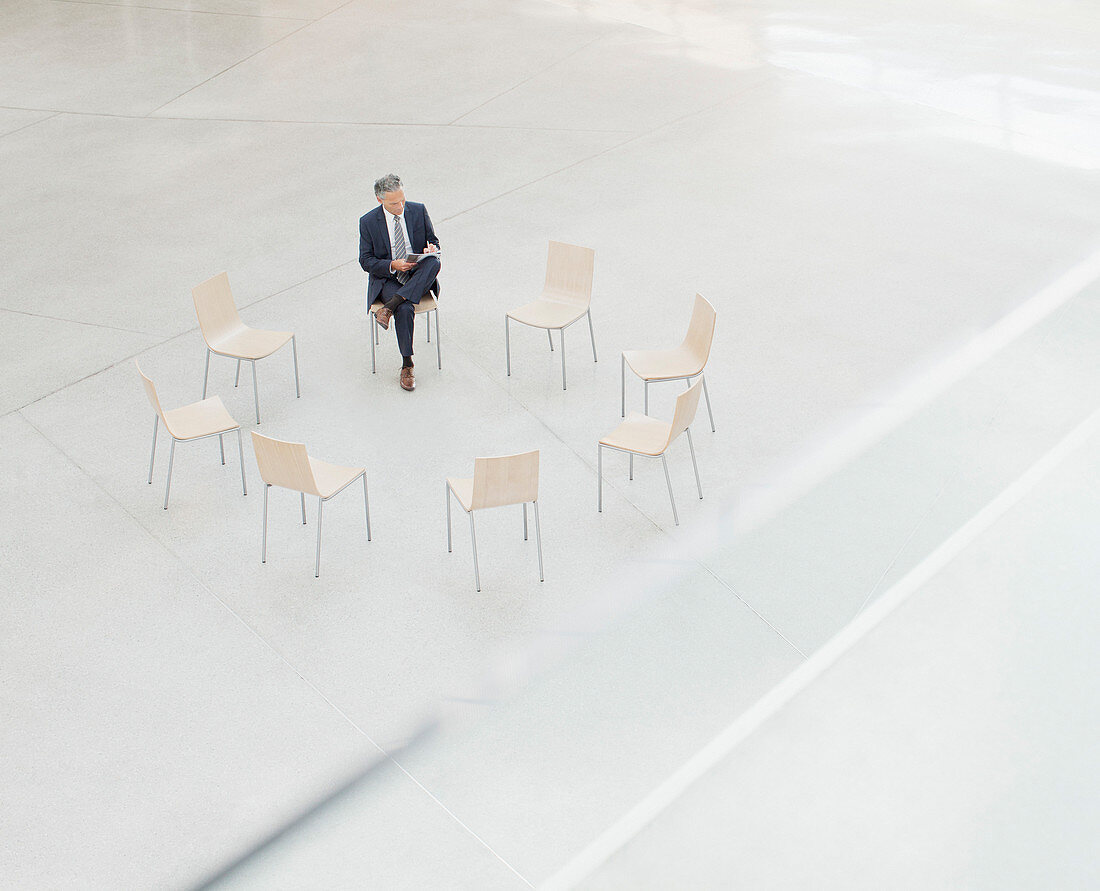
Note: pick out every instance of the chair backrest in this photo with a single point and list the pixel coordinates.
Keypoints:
(151, 392)
(569, 273)
(284, 464)
(215, 308)
(686, 404)
(509, 479)
(700, 332)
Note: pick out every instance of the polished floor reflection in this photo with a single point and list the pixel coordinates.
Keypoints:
(894, 213)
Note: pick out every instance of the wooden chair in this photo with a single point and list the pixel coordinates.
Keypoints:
(565, 299)
(509, 479)
(680, 364)
(199, 420)
(286, 464)
(226, 335)
(642, 435)
(427, 305)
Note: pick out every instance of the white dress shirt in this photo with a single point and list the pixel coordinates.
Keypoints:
(404, 231)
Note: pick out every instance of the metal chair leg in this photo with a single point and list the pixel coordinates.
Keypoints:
(153, 453)
(668, 480)
(320, 514)
(622, 385)
(631, 466)
(694, 463)
(255, 391)
(706, 396)
(366, 504)
(599, 478)
(240, 451)
(221, 446)
(428, 326)
(263, 550)
(371, 338)
(538, 539)
(647, 397)
(507, 348)
(237, 377)
(562, 335)
(550, 337)
(297, 383)
(206, 373)
(525, 521)
(171, 459)
(302, 495)
(592, 335)
(438, 354)
(473, 543)
(448, 497)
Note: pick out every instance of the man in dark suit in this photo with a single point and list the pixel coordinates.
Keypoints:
(386, 235)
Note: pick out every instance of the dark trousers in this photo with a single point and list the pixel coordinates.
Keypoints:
(420, 282)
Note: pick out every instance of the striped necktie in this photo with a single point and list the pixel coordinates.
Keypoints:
(400, 249)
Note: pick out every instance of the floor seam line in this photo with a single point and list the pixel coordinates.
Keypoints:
(634, 138)
(53, 112)
(530, 78)
(305, 25)
(455, 817)
(248, 15)
(49, 116)
(37, 315)
(750, 607)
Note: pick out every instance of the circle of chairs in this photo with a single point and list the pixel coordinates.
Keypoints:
(497, 481)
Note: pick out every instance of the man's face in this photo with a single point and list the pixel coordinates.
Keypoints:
(394, 202)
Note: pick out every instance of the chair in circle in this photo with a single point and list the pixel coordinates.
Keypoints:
(199, 420)
(287, 465)
(427, 305)
(650, 437)
(686, 361)
(508, 479)
(566, 298)
(226, 335)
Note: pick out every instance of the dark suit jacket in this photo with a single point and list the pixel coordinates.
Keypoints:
(374, 243)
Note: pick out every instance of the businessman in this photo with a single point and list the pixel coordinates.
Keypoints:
(387, 235)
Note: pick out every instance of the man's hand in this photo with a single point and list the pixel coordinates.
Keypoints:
(401, 266)
(431, 248)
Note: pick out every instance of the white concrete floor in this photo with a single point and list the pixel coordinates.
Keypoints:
(895, 212)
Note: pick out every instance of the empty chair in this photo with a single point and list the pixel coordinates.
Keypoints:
(682, 363)
(427, 305)
(226, 335)
(286, 464)
(509, 479)
(642, 435)
(565, 299)
(199, 420)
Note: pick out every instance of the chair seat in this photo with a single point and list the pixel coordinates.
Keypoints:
(639, 433)
(464, 491)
(199, 419)
(547, 314)
(331, 478)
(251, 343)
(655, 365)
(426, 304)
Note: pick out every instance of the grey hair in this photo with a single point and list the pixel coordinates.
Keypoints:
(391, 182)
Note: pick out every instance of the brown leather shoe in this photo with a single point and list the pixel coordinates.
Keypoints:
(408, 382)
(384, 314)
